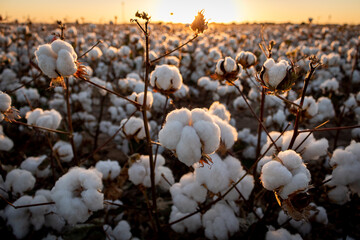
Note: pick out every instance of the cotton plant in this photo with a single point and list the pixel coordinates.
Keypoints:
(190, 134)
(133, 127)
(38, 166)
(78, 189)
(110, 169)
(139, 172)
(309, 108)
(287, 176)
(246, 59)
(166, 79)
(48, 119)
(344, 177)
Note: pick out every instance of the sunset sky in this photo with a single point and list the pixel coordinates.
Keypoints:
(322, 11)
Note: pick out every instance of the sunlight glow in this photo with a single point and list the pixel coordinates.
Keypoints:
(184, 11)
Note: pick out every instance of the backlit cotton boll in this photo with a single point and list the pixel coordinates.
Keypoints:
(227, 69)
(77, 193)
(139, 172)
(190, 134)
(166, 78)
(109, 169)
(133, 128)
(246, 59)
(58, 56)
(47, 119)
(274, 73)
(285, 174)
(5, 102)
(64, 151)
(19, 181)
(220, 222)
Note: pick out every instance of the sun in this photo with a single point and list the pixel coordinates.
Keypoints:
(184, 11)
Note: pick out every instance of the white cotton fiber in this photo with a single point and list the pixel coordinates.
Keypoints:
(170, 136)
(64, 151)
(5, 102)
(299, 181)
(188, 148)
(47, 119)
(290, 159)
(32, 165)
(19, 181)
(190, 224)
(281, 234)
(274, 175)
(109, 169)
(209, 134)
(274, 72)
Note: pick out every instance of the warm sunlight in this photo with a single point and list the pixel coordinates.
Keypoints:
(225, 11)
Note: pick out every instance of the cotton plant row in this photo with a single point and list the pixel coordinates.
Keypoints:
(201, 139)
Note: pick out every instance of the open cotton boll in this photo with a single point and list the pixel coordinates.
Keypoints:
(220, 110)
(6, 144)
(109, 169)
(19, 181)
(65, 63)
(229, 65)
(339, 195)
(76, 194)
(94, 53)
(262, 162)
(22, 219)
(121, 231)
(274, 72)
(246, 59)
(220, 222)
(182, 115)
(310, 107)
(216, 179)
(325, 110)
(46, 59)
(170, 135)
(190, 224)
(47, 119)
(64, 151)
(32, 165)
(207, 84)
(228, 134)
(166, 78)
(330, 85)
(239, 103)
(274, 175)
(5, 102)
(290, 159)
(133, 127)
(188, 149)
(149, 99)
(281, 234)
(209, 134)
(298, 182)
(187, 193)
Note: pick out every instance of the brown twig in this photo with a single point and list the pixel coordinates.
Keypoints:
(82, 55)
(41, 128)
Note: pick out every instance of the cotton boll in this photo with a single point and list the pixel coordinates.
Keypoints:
(76, 193)
(32, 165)
(121, 231)
(339, 195)
(310, 107)
(188, 148)
(190, 224)
(149, 99)
(19, 181)
(166, 78)
(187, 193)
(281, 234)
(182, 115)
(298, 182)
(170, 135)
(47, 119)
(216, 178)
(46, 59)
(274, 72)
(290, 159)
(209, 134)
(228, 133)
(207, 84)
(64, 151)
(316, 149)
(95, 53)
(109, 169)
(6, 144)
(220, 110)
(137, 173)
(65, 63)
(262, 162)
(133, 127)
(239, 103)
(220, 222)
(5, 102)
(274, 175)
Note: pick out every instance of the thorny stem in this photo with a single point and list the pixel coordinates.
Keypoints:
(41, 128)
(231, 188)
(147, 131)
(112, 92)
(254, 114)
(69, 120)
(82, 55)
(299, 110)
(168, 53)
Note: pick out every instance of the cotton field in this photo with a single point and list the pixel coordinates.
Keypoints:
(169, 131)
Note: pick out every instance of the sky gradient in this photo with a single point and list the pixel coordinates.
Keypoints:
(102, 11)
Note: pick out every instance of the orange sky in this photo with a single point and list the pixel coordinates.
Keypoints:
(322, 11)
